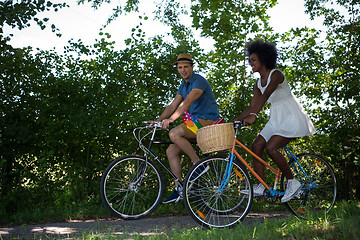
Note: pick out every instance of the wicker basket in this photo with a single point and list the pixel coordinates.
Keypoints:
(215, 138)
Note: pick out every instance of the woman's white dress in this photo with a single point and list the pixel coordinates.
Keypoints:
(287, 117)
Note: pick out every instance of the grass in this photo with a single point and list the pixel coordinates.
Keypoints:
(343, 222)
(96, 210)
(51, 213)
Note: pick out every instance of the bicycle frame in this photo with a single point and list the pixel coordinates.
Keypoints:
(148, 152)
(291, 155)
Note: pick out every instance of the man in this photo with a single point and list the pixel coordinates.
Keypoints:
(195, 96)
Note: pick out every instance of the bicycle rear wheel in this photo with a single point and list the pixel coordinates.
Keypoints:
(211, 207)
(126, 192)
(316, 196)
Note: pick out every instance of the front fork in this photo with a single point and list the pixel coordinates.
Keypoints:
(227, 173)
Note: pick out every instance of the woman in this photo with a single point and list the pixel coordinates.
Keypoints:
(288, 120)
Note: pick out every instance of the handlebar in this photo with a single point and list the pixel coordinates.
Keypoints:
(140, 133)
(147, 132)
(238, 124)
(150, 124)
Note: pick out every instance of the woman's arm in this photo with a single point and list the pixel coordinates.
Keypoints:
(258, 101)
(253, 102)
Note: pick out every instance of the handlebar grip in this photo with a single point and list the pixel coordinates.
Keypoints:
(148, 122)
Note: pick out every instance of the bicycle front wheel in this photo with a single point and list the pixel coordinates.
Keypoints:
(131, 187)
(213, 204)
(318, 193)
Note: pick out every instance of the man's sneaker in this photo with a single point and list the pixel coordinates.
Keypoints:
(199, 171)
(173, 198)
(292, 187)
(258, 190)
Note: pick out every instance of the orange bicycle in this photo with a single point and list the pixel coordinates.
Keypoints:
(216, 200)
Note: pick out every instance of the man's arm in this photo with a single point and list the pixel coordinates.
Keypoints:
(192, 97)
(169, 110)
(176, 108)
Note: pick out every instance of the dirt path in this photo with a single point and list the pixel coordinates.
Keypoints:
(147, 226)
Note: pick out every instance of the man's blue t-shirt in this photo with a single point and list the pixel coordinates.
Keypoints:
(205, 107)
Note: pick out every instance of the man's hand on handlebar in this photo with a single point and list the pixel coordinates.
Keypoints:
(165, 123)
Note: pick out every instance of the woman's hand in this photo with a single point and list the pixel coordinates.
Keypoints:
(249, 120)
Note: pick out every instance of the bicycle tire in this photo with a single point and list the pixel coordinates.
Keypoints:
(211, 208)
(125, 198)
(319, 198)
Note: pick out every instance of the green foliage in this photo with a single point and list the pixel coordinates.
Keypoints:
(326, 71)
(231, 24)
(64, 117)
(20, 14)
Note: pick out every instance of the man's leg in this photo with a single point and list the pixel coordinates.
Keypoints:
(172, 153)
(181, 144)
(177, 136)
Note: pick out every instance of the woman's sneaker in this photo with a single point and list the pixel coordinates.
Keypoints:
(292, 187)
(258, 190)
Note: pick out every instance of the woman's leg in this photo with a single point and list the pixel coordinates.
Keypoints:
(258, 147)
(272, 147)
(293, 185)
